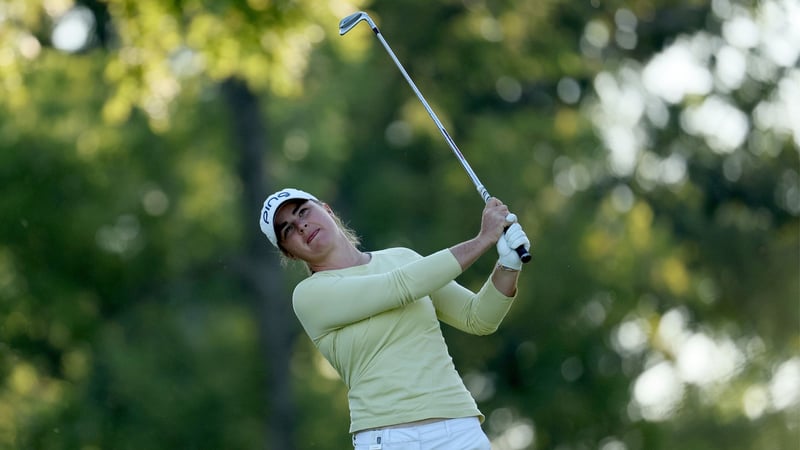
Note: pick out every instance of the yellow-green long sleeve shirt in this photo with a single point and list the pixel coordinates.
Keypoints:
(378, 326)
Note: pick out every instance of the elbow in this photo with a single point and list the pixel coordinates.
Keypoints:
(484, 329)
(484, 332)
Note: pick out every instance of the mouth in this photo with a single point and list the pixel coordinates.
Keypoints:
(312, 236)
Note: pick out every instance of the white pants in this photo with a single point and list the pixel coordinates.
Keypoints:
(449, 434)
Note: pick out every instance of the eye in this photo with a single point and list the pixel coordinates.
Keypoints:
(286, 230)
(303, 212)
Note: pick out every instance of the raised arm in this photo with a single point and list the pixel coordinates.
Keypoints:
(328, 301)
(482, 313)
(492, 223)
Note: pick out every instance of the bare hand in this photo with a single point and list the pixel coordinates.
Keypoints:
(493, 221)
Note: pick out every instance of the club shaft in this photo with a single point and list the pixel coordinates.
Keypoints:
(478, 185)
(350, 21)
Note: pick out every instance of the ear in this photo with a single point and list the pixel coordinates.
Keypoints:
(327, 208)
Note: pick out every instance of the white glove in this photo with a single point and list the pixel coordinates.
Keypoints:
(507, 244)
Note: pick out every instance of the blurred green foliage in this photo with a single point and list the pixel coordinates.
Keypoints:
(662, 308)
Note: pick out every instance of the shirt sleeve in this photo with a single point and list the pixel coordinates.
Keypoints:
(472, 313)
(328, 301)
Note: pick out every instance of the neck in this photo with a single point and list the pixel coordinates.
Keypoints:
(349, 256)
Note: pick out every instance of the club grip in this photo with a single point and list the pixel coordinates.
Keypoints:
(524, 254)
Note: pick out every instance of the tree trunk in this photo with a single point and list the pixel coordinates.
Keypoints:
(260, 271)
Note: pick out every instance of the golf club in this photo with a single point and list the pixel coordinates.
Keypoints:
(347, 24)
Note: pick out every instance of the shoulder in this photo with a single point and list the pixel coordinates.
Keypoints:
(310, 291)
(382, 261)
(397, 253)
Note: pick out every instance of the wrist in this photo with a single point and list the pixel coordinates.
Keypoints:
(500, 266)
(483, 242)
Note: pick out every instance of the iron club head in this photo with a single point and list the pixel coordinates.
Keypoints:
(349, 22)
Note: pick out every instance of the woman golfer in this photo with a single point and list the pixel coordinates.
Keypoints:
(375, 317)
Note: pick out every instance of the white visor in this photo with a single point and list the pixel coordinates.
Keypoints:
(271, 206)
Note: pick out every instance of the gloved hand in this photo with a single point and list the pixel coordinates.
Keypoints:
(506, 245)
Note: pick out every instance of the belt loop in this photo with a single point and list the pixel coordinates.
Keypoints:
(376, 438)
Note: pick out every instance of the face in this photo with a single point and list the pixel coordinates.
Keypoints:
(305, 230)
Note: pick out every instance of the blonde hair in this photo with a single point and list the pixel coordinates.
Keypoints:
(349, 233)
